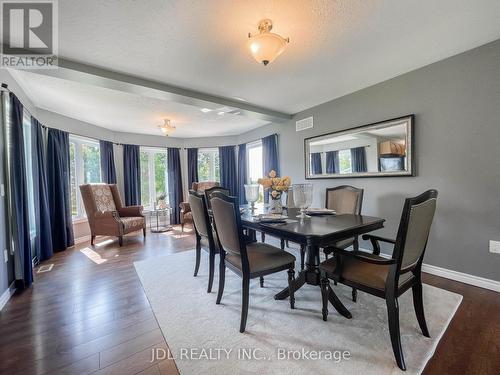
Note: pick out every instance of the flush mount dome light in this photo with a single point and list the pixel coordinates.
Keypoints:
(266, 46)
(166, 127)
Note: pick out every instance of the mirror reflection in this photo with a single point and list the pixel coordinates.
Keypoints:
(381, 149)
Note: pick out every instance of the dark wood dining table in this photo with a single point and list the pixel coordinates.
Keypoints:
(314, 233)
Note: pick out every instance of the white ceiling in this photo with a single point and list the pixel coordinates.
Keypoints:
(124, 112)
(336, 47)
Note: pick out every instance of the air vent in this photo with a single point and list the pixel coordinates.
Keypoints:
(304, 124)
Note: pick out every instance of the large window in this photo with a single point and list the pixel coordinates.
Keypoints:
(85, 168)
(255, 165)
(28, 156)
(208, 164)
(154, 176)
(345, 161)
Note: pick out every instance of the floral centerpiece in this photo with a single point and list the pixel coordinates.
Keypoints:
(277, 185)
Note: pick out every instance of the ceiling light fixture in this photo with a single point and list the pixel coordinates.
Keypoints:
(206, 110)
(167, 128)
(266, 46)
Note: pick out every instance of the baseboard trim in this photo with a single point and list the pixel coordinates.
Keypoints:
(465, 278)
(462, 277)
(4, 298)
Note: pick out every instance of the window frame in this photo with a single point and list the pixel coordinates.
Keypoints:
(79, 141)
(152, 151)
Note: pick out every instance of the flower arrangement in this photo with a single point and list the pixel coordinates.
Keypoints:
(278, 185)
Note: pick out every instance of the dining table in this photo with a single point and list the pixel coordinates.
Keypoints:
(314, 232)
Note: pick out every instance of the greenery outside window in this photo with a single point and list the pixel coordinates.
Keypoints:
(154, 176)
(208, 164)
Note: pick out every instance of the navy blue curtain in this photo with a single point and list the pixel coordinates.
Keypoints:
(242, 172)
(316, 163)
(228, 177)
(108, 171)
(131, 174)
(21, 234)
(174, 184)
(270, 158)
(192, 154)
(332, 162)
(43, 240)
(358, 159)
(58, 183)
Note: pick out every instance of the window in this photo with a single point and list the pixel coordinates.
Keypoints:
(154, 176)
(255, 165)
(345, 161)
(208, 164)
(85, 168)
(28, 156)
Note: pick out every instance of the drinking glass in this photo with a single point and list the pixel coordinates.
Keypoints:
(252, 194)
(302, 197)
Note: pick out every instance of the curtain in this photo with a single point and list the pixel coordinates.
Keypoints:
(270, 158)
(58, 183)
(316, 163)
(332, 162)
(131, 174)
(242, 172)
(192, 155)
(19, 195)
(174, 184)
(227, 160)
(358, 159)
(43, 240)
(108, 171)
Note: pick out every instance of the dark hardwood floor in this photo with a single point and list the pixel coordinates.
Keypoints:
(89, 314)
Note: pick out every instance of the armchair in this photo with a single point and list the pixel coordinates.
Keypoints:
(106, 214)
(199, 187)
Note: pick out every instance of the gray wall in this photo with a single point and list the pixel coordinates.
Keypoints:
(457, 108)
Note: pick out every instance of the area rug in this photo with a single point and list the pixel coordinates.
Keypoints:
(204, 337)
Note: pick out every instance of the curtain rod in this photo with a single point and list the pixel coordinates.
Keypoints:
(5, 88)
(255, 140)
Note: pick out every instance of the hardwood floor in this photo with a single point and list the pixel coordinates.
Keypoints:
(89, 314)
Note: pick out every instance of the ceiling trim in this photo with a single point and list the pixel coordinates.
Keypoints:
(82, 73)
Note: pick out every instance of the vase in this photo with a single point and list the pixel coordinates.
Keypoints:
(275, 206)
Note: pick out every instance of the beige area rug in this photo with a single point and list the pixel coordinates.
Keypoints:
(204, 337)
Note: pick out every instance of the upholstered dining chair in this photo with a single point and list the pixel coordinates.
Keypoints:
(389, 278)
(208, 192)
(186, 215)
(247, 260)
(106, 214)
(344, 199)
(205, 236)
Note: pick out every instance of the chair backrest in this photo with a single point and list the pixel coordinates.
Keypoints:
(98, 198)
(344, 199)
(227, 221)
(200, 187)
(414, 229)
(209, 191)
(200, 213)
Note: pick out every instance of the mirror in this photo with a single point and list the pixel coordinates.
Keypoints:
(380, 149)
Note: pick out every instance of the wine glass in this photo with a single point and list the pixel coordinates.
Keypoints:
(302, 197)
(252, 194)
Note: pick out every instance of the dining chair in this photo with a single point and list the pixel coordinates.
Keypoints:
(389, 278)
(209, 191)
(344, 199)
(247, 260)
(205, 236)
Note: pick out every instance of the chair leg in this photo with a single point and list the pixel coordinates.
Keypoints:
(282, 244)
(418, 305)
(302, 256)
(262, 237)
(393, 315)
(261, 280)
(222, 279)
(291, 281)
(244, 302)
(354, 294)
(211, 267)
(287, 243)
(324, 296)
(182, 227)
(198, 257)
(144, 232)
(120, 241)
(92, 238)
